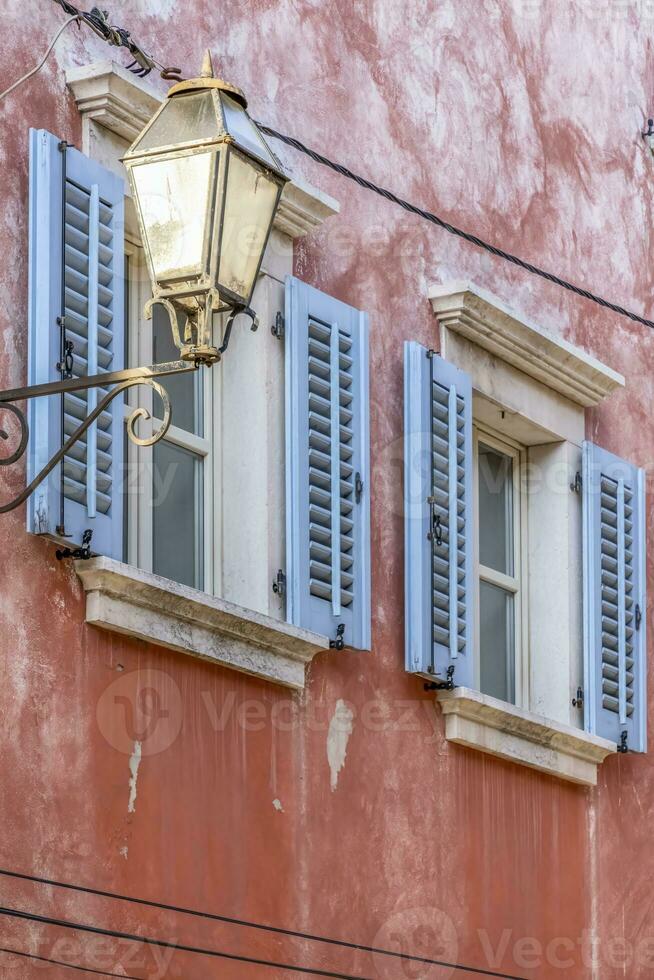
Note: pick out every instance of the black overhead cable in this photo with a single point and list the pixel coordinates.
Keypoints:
(452, 229)
(68, 966)
(118, 37)
(143, 65)
(177, 947)
(246, 923)
(203, 951)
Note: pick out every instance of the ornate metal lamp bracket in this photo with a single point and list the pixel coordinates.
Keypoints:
(191, 321)
(121, 381)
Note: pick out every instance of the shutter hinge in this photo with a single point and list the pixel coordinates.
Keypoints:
(578, 702)
(446, 685)
(279, 584)
(65, 366)
(277, 329)
(435, 532)
(83, 553)
(431, 353)
(339, 642)
(622, 745)
(639, 616)
(577, 484)
(358, 488)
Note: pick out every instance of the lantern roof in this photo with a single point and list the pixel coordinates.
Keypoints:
(205, 108)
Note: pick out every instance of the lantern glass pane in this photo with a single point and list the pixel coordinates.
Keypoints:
(174, 198)
(239, 125)
(250, 199)
(184, 119)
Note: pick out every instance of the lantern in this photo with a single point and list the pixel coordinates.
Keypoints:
(206, 186)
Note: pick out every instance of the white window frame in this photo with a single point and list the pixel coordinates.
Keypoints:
(517, 583)
(139, 486)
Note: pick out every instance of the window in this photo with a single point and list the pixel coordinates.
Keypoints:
(497, 418)
(169, 496)
(498, 565)
(231, 486)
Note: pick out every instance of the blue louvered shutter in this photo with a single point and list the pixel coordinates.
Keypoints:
(327, 465)
(614, 598)
(76, 268)
(437, 500)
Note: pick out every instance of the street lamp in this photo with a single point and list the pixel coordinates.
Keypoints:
(206, 187)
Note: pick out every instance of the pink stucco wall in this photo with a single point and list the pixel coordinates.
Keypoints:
(519, 121)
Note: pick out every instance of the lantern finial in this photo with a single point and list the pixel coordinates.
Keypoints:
(207, 65)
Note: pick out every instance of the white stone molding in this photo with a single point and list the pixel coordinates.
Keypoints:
(124, 599)
(484, 723)
(483, 319)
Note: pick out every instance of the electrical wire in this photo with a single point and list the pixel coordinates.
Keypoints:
(118, 37)
(144, 63)
(68, 966)
(178, 947)
(452, 229)
(248, 924)
(43, 60)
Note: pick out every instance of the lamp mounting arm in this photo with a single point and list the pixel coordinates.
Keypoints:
(121, 380)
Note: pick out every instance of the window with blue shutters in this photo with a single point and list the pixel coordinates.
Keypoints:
(614, 598)
(76, 308)
(438, 517)
(327, 464)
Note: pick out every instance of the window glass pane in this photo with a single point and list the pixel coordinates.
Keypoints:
(177, 514)
(495, 510)
(497, 642)
(185, 391)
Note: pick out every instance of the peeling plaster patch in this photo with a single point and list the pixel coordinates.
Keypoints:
(134, 763)
(340, 729)
(278, 805)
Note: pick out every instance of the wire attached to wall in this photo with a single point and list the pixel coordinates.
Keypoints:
(119, 37)
(37, 68)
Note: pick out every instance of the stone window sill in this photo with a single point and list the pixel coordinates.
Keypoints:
(124, 599)
(484, 723)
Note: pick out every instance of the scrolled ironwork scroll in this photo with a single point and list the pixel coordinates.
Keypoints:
(142, 413)
(24, 435)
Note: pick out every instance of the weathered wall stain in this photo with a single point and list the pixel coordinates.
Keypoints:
(134, 765)
(338, 735)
